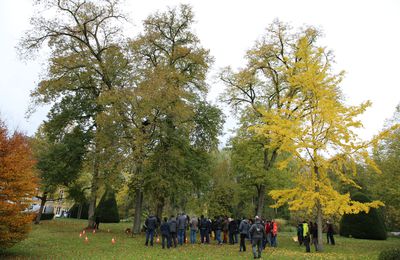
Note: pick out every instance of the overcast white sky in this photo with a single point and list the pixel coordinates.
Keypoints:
(364, 36)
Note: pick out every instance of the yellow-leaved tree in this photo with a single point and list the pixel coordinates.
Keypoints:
(319, 129)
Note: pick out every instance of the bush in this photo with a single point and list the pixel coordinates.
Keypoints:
(17, 184)
(363, 225)
(390, 254)
(47, 216)
(73, 212)
(107, 209)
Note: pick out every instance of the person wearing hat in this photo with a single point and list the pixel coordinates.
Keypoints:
(257, 232)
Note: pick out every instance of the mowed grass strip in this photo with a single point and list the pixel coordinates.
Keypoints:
(59, 239)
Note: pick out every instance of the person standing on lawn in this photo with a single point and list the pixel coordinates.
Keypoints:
(204, 230)
(306, 237)
(274, 233)
(182, 224)
(194, 227)
(165, 234)
(257, 232)
(314, 233)
(244, 228)
(151, 225)
(329, 233)
(173, 229)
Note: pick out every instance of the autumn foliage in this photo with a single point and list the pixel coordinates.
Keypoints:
(17, 186)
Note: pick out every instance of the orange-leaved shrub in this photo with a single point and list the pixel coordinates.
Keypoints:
(18, 183)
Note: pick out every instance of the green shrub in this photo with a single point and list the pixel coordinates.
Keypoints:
(107, 209)
(73, 212)
(390, 254)
(363, 225)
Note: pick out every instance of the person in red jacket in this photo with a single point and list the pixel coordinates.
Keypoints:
(267, 240)
(274, 233)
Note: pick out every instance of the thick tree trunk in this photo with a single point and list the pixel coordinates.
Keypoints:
(43, 200)
(93, 195)
(319, 225)
(78, 216)
(159, 209)
(261, 199)
(138, 210)
(319, 213)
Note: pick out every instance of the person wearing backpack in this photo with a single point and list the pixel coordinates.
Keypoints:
(173, 230)
(257, 232)
(244, 228)
(204, 230)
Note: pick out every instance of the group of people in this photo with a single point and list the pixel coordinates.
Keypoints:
(307, 233)
(173, 231)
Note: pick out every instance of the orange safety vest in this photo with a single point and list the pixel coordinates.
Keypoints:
(275, 229)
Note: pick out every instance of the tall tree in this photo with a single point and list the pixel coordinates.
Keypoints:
(85, 61)
(171, 66)
(18, 184)
(263, 86)
(59, 163)
(320, 135)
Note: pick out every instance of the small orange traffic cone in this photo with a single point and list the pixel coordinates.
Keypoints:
(86, 239)
(113, 240)
(80, 234)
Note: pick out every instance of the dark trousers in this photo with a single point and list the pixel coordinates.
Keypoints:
(306, 242)
(173, 239)
(231, 238)
(166, 239)
(242, 242)
(315, 243)
(257, 247)
(149, 236)
(329, 236)
(205, 236)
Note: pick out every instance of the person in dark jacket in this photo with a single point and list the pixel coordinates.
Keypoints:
(257, 231)
(165, 234)
(329, 233)
(218, 229)
(232, 228)
(151, 225)
(173, 230)
(204, 227)
(300, 233)
(244, 228)
(314, 233)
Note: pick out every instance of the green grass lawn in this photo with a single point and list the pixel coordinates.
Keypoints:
(59, 239)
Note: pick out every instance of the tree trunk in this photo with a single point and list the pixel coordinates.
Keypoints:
(78, 216)
(43, 200)
(159, 209)
(261, 199)
(138, 210)
(319, 213)
(319, 225)
(93, 195)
